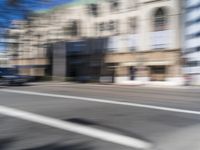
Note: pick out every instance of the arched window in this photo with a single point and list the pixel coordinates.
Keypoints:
(160, 19)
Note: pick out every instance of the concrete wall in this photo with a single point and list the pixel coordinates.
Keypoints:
(59, 61)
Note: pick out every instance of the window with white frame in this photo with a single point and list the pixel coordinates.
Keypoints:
(132, 25)
(160, 18)
(72, 28)
(93, 9)
(160, 35)
(114, 5)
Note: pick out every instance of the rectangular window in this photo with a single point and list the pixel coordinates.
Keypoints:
(114, 5)
(73, 28)
(93, 10)
(160, 39)
(132, 25)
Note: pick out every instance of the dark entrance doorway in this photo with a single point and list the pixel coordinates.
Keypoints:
(132, 72)
(158, 73)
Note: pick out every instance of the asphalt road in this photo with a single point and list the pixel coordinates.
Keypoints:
(172, 122)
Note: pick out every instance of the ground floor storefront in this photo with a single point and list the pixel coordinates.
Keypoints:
(146, 67)
(38, 68)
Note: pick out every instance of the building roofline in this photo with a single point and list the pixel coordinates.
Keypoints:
(69, 4)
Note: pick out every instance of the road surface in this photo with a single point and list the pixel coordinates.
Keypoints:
(165, 118)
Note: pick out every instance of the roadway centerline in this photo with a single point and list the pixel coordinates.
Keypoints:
(77, 128)
(169, 109)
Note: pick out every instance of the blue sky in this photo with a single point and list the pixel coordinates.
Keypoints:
(8, 13)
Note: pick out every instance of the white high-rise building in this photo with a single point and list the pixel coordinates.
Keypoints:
(192, 40)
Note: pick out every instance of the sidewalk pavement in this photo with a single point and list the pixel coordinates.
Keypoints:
(59, 83)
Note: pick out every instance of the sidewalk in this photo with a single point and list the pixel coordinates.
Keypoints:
(59, 83)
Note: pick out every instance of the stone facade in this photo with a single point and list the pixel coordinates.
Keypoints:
(143, 36)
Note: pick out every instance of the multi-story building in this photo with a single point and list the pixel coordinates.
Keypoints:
(146, 43)
(138, 41)
(191, 48)
(27, 49)
(4, 60)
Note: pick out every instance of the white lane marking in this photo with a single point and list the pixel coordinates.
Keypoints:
(76, 128)
(104, 101)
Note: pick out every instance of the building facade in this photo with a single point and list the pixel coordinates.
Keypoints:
(25, 51)
(191, 49)
(141, 38)
(4, 60)
(147, 45)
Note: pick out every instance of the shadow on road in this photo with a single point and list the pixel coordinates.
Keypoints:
(56, 146)
(6, 142)
(104, 127)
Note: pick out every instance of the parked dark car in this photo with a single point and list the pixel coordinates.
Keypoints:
(9, 76)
